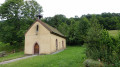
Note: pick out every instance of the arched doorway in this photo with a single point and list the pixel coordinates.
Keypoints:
(36, 48)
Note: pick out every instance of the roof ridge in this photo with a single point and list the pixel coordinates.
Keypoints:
(49, 28)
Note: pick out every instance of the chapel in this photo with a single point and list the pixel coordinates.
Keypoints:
(42, 38)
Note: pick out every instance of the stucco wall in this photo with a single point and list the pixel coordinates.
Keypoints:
(53, 43)
(42, 38)
(45, 40)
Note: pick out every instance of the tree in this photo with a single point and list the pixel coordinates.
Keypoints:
(69, 31)
(17, 20)
(108, 20)
(31, 9)
(82, 29)
(93, 38)
(100, 45)
(56, 20)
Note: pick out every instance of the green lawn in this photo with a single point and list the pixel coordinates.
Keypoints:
(70, 57)
(12, 56)
(113, 32)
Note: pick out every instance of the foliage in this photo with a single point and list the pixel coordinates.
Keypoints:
(110, 21)
(11, 9)
(30, 9)
(74, 29)
(100, 45)
(3, 47)
(9, 48)
(93, 63)
(17, 20)
(56, 20)
(93, 38)
(71, 32)
(70, 57)
(81, 30)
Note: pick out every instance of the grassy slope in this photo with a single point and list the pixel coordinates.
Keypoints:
(113, 32)
(70, 57)
(12, 56)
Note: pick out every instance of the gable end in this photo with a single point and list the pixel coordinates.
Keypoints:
(49, 28)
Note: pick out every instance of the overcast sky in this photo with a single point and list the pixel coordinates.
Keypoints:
(70, 8)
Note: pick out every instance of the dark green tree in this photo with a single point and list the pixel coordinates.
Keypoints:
(30, 9)
(93, 38)
(56, 20)
(17, 20)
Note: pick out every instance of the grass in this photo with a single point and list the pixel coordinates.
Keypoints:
(113, 32)
(70, 57)
(12, 56)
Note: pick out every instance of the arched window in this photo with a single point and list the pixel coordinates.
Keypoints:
(37, 28)
(59, 45)
(62, 44)
(56, 44)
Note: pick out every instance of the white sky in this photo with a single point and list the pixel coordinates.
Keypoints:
(70, 8)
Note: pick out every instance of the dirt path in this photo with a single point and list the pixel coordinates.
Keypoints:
(13, 60)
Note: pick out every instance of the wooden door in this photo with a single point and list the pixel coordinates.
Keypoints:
(36, 49)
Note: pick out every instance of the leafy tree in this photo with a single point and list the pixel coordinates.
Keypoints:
(118, 26)
(17, 20)
(72, 34)
(93, 38)
(100, 45)
(30, 9)
(56, 20)
(82, 29)
(63, 28)
(79, 28)
(75, 30)
(108, 20)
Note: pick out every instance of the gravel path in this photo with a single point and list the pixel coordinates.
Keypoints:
(13, 60)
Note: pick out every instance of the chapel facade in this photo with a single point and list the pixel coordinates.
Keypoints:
(42, 38)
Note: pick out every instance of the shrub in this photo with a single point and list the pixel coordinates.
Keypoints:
(105, 48)
(92, 63)
(93, 39)
(9, 48)
(100, 45)
(4, 47)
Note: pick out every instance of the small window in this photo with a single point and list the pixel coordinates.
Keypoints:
(37, 28)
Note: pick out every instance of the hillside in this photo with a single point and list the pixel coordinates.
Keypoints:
(113, 32)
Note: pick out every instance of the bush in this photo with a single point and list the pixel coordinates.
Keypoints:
(100, 45)
(4, 47)
(105, 48)
(9, 48)
(92, 39)
(92, 63)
